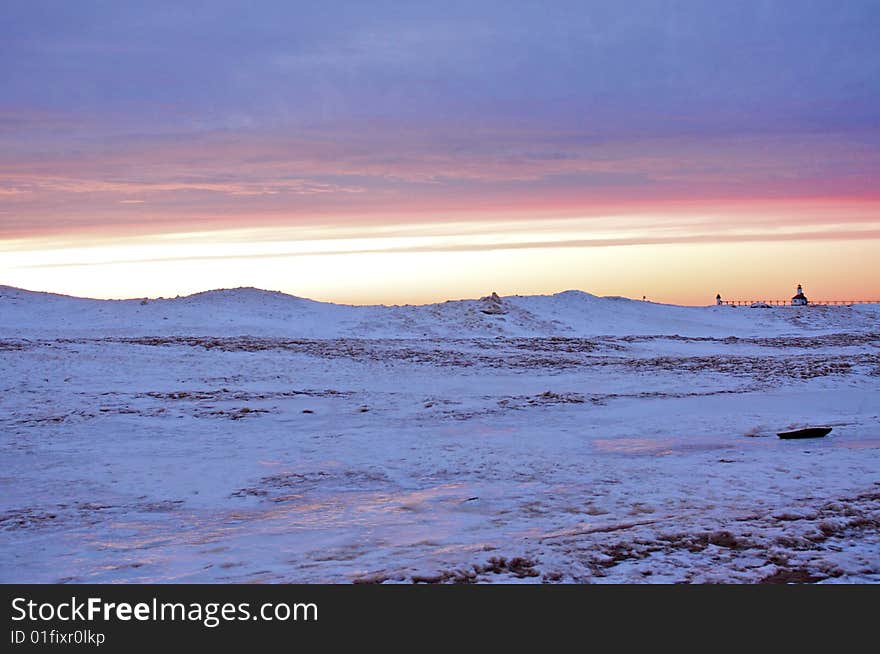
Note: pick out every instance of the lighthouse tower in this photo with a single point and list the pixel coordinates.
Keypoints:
(799, 300)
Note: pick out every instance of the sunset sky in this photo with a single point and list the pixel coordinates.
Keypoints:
(394, 152)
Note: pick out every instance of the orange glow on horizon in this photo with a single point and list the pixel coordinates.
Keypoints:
(684, 258)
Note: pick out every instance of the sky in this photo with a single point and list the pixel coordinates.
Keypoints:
(408, 152)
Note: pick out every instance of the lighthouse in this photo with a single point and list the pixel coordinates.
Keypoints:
(799, 300)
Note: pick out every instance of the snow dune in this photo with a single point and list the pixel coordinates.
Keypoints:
(251, 436)
(255, 312)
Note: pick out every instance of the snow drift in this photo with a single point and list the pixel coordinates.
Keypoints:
(250, 311)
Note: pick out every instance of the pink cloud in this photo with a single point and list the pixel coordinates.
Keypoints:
(225, 178)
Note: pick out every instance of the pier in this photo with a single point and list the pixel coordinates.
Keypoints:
(785, 303)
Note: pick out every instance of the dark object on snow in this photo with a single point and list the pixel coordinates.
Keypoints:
(492, 304)
(811, 432)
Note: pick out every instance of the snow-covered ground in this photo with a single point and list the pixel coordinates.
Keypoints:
(245, 435)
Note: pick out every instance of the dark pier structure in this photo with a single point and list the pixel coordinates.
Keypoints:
(799, 300)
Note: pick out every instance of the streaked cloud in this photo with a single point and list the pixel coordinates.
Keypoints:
(572, 125)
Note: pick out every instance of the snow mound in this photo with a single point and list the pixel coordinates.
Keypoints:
(257, 312)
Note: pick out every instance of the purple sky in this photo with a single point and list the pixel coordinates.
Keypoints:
(166, 117)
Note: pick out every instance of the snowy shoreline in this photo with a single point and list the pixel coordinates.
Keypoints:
(239, 436)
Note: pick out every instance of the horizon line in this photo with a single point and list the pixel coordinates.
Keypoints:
(818, 302)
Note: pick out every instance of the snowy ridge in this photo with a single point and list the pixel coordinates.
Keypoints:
(251, 311)
(251, 436)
